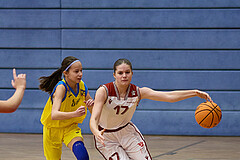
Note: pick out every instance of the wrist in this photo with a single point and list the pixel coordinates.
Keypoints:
(21, 88)
(196, 92)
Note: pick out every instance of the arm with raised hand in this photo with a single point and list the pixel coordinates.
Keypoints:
(11, 105)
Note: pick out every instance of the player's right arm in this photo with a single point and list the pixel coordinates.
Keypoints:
(57, 101)
(99, 101)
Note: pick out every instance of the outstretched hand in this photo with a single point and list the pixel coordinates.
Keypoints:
(19, 81)
(204, 95)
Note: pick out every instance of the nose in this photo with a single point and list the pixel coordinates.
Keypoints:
(80, 73)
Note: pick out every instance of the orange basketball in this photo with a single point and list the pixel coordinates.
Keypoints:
(208, 114)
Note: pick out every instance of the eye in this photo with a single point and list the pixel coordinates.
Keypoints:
(120, 73)
(77, 71)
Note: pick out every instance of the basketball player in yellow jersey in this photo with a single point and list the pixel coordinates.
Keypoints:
(65, 108)
(11, 105)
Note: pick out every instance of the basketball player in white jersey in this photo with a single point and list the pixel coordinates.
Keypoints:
(117, 138)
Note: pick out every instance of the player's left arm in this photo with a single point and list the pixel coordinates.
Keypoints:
(89, 102)
(19, 83)
(172, 96)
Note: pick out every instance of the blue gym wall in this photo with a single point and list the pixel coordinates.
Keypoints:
(173, 45)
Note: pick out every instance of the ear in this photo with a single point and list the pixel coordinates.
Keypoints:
(65, 73)
(114, 75)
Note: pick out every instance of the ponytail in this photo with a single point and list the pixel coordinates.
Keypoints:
(47, 84)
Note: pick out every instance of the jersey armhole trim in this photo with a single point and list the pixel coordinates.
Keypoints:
(86, 89)
(59, 83)
(106, 92)
(139, 95)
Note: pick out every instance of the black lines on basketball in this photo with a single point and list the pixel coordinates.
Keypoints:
(208, 114)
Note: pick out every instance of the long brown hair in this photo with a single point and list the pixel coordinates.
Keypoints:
(47, 83)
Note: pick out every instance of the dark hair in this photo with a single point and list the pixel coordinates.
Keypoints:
(121, 61)
(48, 83)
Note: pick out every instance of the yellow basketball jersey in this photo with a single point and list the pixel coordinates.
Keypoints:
(71, 102)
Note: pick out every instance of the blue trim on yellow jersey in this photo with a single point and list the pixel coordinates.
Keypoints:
(86, 89)
(75, 94)
(59, 83)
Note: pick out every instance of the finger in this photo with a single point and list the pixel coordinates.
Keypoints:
(81, 107)
(13, 84)
(87, 102)
(103, 132)
(92, 102)
(103, 143)
(14, 74)
(210, 99)
(80, 110)
(101, 139)
(23, 76)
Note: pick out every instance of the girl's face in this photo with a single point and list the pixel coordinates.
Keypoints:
(123, 74)
(74, 73)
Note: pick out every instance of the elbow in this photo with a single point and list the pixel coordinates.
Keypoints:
(53, 116)
(91, 122)
(12, 108)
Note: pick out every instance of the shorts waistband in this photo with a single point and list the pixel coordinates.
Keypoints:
(112, 130)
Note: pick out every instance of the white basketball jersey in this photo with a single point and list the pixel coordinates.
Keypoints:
(117, 111)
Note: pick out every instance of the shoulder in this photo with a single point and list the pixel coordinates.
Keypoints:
(61, 85)
(60, 89)
(108, 85)
(145, 91)
(82, 82)
(103, 90)
(101, 94)
(83, 85)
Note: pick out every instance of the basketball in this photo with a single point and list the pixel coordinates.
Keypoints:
(208, 114)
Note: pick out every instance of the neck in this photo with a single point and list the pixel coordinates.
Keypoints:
(122, 89)
(71, 84)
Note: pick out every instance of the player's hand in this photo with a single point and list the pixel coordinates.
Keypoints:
(80, 111)
(89, 103)
(203, 95)
(99, 136)
(18, 81)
